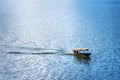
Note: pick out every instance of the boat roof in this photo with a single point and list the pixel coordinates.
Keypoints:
(80, 49)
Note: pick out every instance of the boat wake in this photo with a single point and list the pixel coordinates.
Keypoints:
(30, 50)
(34, 50)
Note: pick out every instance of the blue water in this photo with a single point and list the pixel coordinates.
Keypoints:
(37, 35)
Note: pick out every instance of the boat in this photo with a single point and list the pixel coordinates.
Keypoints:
(81, 52)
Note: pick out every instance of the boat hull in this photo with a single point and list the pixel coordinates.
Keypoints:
(82, 54)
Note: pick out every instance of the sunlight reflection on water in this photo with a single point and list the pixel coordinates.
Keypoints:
(32, 30)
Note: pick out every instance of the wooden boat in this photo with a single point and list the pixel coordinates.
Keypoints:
(81, 52)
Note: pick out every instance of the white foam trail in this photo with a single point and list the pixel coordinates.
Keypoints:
(48, 51)
(68, 53)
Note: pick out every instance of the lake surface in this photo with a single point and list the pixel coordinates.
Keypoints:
(37, 35)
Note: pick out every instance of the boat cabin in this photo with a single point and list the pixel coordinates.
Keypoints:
(81, 52)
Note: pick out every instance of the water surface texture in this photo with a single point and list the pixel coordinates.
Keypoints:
(35, 36)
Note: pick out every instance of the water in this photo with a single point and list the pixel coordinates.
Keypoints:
(35, 36)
